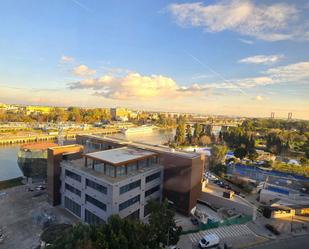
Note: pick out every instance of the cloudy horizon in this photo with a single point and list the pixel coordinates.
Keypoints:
(240, 58)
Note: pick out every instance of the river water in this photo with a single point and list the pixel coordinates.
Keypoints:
(8, 154)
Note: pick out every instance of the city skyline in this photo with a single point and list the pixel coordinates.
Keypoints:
(244, 58)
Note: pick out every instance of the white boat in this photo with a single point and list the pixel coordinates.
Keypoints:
(140, 129)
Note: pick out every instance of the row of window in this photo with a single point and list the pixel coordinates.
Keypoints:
(153, 176)
(152, 190)
(92, 219)
(96, 186)
(130, 186)
(95, 202)
(72, 206)
(72, 189)
(73, 175)
(129, 202)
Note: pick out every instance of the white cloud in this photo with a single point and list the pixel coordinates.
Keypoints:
(262, 59)
(131, 86)
(134, 86)
(298, 73)
(83, 71)
(266, 22)
(66, 59)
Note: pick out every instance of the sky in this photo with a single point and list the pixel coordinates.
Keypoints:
(237, 57)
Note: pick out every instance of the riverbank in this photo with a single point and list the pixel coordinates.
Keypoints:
(11, 183)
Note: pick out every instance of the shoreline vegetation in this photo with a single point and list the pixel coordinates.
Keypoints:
(11, 183)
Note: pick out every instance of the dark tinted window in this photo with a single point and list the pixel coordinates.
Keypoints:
(73, 175)
(96, 186)
(72, 189)
(130, 186)
(129, 202)
(95, 202)
(153, 176)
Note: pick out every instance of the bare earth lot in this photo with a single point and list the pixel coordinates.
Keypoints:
(21, 215)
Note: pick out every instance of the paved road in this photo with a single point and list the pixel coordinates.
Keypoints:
(290, 243)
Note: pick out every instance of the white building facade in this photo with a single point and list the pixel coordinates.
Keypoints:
(119, 181)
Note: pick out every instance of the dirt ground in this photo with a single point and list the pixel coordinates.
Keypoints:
(23, 215)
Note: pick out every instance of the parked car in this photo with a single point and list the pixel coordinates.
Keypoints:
(40, 187)
(208, 241)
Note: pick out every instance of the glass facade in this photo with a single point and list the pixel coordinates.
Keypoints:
(121, 170)
(72, 206)
(153, 176)
(95, 202)
(129, 202)
(129, 187)
(92, 219)
(110, 170)
(96, 186)
(132, 167)
(73, 175)
(72, 189)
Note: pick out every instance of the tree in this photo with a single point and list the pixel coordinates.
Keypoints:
(218, 153)
(180, 134)
(162, 225)
(189, 134)
(204, 140)
(197, 130)
(240, 152)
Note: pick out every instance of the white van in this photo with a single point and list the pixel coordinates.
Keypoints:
(209, 241)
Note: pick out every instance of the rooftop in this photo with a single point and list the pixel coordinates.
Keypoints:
(79, 165)
(146, 146)
(120, 156)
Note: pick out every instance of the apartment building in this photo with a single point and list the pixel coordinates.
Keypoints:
(115, 181)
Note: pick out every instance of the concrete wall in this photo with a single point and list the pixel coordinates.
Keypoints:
(219, 202)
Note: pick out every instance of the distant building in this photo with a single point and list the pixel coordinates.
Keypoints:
(119, 114)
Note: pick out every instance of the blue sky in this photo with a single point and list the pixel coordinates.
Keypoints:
(218, 57)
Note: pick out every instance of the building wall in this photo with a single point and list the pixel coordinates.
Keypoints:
(54, 158)
(113, 197)
(182, 175)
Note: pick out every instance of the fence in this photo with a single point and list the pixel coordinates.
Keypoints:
(226, 222)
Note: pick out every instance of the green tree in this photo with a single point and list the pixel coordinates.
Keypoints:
(218, 153)
(189, 134)
(180, 134)
(162, 225)
(197, 130)
(240, 152)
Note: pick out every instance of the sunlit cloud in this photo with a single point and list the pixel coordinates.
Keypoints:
(262, 59)
(83, 71)
(266, 22)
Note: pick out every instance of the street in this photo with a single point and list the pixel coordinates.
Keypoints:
(289, 243)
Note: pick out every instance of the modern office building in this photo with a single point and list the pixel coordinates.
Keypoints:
(115, 176)
(116, 181)
(183, 171)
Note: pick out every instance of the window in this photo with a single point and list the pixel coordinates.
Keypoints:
(129, 187)
(153, 176)
(121, 170)
(99, 168)
(73, 175)
(152, 190)
(72, 189)
(132, 167)
(96, 186)
(95, 202)
(129, 202)
(92, 219)
(72, 206)
(143, 163)
(110, 170)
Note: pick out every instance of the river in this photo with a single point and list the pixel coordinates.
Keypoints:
(8, 154)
